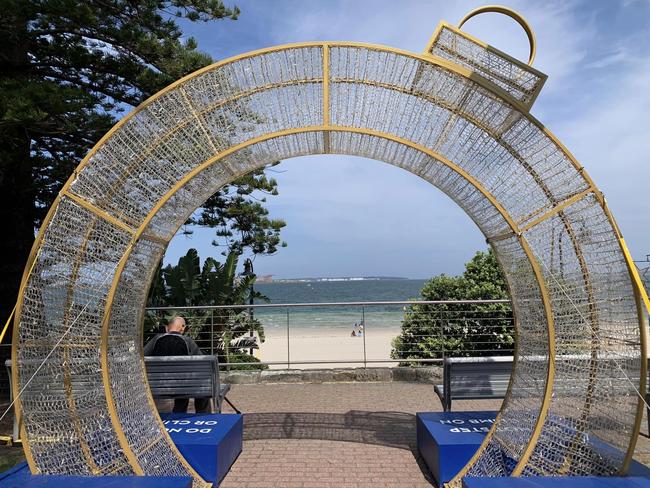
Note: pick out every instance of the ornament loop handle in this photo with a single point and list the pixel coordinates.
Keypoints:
(499, 9)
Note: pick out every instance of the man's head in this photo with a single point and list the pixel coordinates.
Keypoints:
(177, 324)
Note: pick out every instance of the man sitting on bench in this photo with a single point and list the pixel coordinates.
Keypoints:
(174, 343)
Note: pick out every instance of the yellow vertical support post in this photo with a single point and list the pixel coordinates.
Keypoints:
(326, 97)
(641, 300)
(6, 327)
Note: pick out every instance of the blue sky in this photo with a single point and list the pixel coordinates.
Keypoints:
(349, 216)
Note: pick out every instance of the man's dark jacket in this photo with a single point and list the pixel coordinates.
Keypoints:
(171, 344)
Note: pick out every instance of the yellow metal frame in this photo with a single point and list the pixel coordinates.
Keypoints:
(326, 128)
(98, 212)
(6, 326)
(326, 97)
(642, 301)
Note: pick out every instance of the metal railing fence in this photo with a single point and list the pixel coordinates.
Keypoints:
(344, 333)
(310, 335)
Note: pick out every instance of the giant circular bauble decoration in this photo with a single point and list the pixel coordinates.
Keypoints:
(456, 116)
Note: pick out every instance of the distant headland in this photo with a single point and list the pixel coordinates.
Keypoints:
(270, 279)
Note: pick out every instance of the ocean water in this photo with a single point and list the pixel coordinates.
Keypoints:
(336, 317)
(342, 291)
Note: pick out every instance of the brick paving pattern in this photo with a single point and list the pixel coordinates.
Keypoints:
(333, 434)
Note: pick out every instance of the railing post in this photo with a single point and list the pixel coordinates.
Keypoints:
(212, 332)
(225, 338)
(226, 346)
(365, 331)
(288, 347)
(442, 334)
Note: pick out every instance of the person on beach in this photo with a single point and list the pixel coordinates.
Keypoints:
(174, 343)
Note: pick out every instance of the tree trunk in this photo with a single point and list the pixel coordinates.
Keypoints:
(17, 207)
(16, 217)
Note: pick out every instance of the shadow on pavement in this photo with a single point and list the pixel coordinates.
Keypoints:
(390, 429)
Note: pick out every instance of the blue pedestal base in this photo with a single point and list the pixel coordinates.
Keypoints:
(448, 440)
(209, 442)
(20, 477)
(559, 482)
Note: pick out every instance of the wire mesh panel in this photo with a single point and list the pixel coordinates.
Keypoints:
(64, 407)
(522, 82)
(521, 408)
(141, 426)
(578, 359)
(587, 282)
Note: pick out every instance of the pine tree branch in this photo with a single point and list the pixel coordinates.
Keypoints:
(115, 96)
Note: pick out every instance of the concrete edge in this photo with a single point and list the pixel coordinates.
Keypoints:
(430, 375)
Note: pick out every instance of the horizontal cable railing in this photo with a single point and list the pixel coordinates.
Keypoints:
(309, 335)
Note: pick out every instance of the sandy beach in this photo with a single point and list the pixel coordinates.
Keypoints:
(326, 344)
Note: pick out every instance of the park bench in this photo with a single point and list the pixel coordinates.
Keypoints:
(473, 379)
(477, 378)
(187, 377)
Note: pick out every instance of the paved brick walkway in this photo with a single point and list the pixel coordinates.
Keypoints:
(333, 434)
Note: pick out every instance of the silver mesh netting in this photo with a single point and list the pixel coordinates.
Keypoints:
(88, 409)
(64, 407)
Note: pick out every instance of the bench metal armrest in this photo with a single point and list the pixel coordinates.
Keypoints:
(440, 391)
